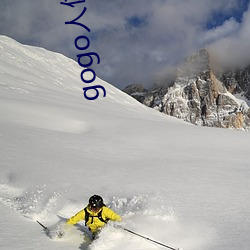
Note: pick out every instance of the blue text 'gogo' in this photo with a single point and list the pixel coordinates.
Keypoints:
(89, 55)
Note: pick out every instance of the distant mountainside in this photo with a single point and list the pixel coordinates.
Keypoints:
(201, 95)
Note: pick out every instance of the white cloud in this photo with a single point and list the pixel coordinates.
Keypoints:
(233, 50)
(171, 31)
(228, 28)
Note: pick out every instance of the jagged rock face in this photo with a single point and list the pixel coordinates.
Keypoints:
(199, 97)
(204, 102)
(137, 91)
(134, 88)
(237, 81)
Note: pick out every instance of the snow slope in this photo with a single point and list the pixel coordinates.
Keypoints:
(176, 183)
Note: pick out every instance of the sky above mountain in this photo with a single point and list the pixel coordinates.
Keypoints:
(137, 41)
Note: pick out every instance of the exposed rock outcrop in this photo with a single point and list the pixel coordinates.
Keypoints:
(199, 96)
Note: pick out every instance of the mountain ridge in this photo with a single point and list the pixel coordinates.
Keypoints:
(200, 95)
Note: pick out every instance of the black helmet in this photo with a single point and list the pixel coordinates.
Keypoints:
(96, 202)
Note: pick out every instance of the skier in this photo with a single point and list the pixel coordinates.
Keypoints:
(95, 214)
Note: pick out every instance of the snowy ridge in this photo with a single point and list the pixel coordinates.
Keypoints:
(39, 70)
(182, 185)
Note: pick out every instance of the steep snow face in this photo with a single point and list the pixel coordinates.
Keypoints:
(179, 184)
(29, 70)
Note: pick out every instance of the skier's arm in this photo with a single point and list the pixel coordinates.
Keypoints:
(110, 214)
(77, 217)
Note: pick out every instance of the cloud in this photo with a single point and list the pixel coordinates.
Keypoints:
(233, 49)
(137, 41)
(228, 28)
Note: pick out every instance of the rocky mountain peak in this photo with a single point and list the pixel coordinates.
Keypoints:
(196, 64)
(202, 97)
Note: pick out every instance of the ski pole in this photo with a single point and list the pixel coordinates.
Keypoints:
(146, 238)
(45, 228)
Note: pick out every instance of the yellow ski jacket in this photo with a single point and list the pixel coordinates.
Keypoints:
(94, 223)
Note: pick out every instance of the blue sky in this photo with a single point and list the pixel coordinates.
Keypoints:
(138, 41)
(136, 21)
(218, 17)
